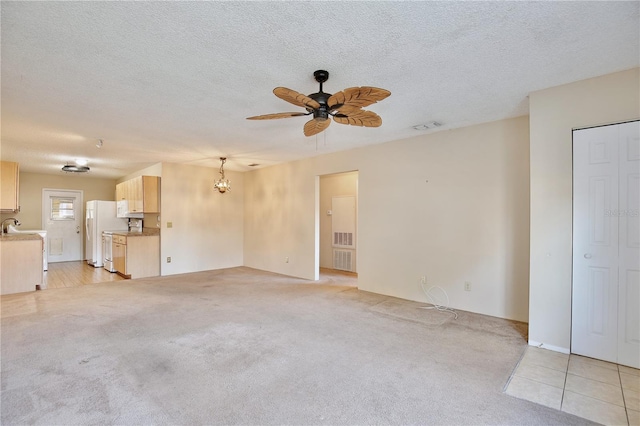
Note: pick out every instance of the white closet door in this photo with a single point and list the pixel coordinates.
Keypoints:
(629, 251)
(606, 244)
(595, 243)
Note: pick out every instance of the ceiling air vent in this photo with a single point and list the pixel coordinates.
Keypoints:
(427, 126)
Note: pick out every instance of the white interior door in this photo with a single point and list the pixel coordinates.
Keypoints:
(629, 254)
(595, 243)
(62, 219)
(605, 323)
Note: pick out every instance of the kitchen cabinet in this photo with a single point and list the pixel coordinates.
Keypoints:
(142, 192)
(135, 189)
(119, 253)
(21, 258)
(136, 256)
(120, 192)
(10, 187)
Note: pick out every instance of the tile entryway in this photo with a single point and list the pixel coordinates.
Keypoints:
(596, 390)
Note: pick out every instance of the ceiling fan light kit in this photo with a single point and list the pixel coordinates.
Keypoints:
(345, 107)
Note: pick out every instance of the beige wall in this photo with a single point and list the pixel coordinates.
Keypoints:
(281, 207)
(32, 184)
(207, 231)
(451, 206)
(153, 170)
(336, 185)
(554, 113)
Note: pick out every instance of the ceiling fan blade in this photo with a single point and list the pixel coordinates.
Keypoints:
(357, 97)
(358, 117)
(295, 98)
(315, 126)
(277, 115)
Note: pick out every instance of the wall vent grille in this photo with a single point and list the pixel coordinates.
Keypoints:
(344, 239)
(342, 260)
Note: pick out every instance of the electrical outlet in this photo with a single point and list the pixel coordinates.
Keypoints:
(423, 279)
(286, 259)
(467, 286)
(168, 259)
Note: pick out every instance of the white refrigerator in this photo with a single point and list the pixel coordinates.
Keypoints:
(100, 216)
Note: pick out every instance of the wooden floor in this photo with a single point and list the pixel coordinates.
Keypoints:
(76, 274)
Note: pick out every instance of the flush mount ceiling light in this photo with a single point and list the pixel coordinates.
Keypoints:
(70, 168)
(222, 185)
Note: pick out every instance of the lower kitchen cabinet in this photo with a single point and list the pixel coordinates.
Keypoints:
(119, 253)
(21, 259)
(136, 256)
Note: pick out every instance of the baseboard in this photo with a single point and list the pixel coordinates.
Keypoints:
(549, 347)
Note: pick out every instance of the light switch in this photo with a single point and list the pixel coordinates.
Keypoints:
(169, 224)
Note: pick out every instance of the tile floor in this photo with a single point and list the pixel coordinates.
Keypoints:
(596, 390)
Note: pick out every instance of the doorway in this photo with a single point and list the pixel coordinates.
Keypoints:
(338, 222)
(605, 321)
(62, 218)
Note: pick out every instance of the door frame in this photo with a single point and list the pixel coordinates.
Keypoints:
(318, 213)
(43, 215)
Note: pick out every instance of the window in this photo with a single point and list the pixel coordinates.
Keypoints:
(62, 208)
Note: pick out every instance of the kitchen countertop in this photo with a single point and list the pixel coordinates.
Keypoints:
(19, 237)
(146, 232)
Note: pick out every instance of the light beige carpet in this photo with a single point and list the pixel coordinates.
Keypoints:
(240, 346)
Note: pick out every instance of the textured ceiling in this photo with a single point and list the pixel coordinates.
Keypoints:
(174, 81)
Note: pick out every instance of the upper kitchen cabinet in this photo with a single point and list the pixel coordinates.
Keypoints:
(142, 192)
(10, 187)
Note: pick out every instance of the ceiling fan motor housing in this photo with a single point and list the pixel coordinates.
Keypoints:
(322, 98)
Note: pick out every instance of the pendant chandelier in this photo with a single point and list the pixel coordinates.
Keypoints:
(222, 185)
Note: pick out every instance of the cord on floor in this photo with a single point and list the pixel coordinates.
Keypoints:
(433, 300)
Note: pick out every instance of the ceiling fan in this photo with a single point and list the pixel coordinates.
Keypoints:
(345, 107)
